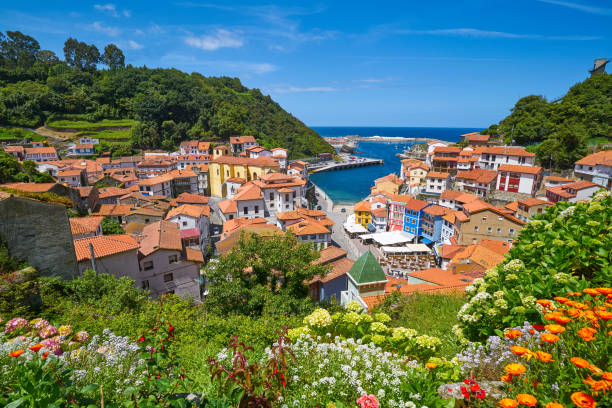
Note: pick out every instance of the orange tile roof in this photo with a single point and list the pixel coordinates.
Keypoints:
(307, 227)
(40, 150)
(154, 212)
(160, 235)
(441, 277)
(416, 205)
(84, 225)
(475, 206)
(379, 212)
(477, 137)
(256, 149)
(329, 254)
(189, 144)
(242, 139)
(230, 226)
(602, 157)
(401, 198)
(85, 191)
(112, 192)
(16, 149)
(238, 180)
(419, 165)
(194, 255)
(261, 230)
(447, 149)
(69, 173)
(512, 206)
(530, 202)
(515, 168)
(557, 178)
(448, 251)
(458, 196)
(505, 150)
(190, 198)
(435, 209)
(337, 268)
(228, 206)
(437, 174)
(501, 247)
(249, 191)
(390, 177)
(478, 254)
(104, 245)
(204, 146)
(478, 175)
(113, 209)
(560, 191)
(580, 185)
(190, 210)
(31, 187)
(364, 206)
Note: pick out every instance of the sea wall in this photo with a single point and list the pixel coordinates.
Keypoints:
(39, 233)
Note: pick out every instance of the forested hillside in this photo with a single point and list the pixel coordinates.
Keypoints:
(562, 129)
(169, 105)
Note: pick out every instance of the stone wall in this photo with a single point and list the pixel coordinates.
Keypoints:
(39, 233)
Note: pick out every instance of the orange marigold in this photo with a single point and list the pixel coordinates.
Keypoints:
(36, 347)
(45, 355)
(554, 405)
(574, 294)
(527, 399)
(607, 376)
(550, 338)
(604, 291)
(552, 315)
(583, 400)
(562, 319)
(544, 302)
(519, 350)
(604, 315)
(587, 333)
(508, 403)
(580, 362)
(506, 378)
(555, 328)
(515, 369)
(544, 356)
(573, 312)
(17, 353)
(431, 366)
(591, 291)
(513, 334)
(561, 299)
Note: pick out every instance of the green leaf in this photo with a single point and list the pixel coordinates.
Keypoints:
(16, 403)
(90, 388)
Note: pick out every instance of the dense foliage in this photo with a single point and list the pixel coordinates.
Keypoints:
(559, 251)
(11, 170)
(262, 273)
(565, 127)
(111, 227)
(169, 105)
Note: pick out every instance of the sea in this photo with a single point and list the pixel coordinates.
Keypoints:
(352, 185)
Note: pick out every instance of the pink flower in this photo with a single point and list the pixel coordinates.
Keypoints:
(48, 331)
(81, 336)
(39, 323)
(15, 324)
(367, 401)
(53, 346)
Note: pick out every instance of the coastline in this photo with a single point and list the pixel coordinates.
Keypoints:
(330, 205)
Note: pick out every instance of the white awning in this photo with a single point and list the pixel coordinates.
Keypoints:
(353, 228)
(407, 249)
(389, 237)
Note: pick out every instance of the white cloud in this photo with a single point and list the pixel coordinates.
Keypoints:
(222, 66)
(127, 13)
(107, 8)
(581, 7)
(477, 33)
(297, 89)
(373, 80)
(220, 39)
(109, 30)
(133, 45)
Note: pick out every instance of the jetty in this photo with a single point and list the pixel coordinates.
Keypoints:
(346, 164)
(389, 139)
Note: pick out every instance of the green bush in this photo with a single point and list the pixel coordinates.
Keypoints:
(559, 251)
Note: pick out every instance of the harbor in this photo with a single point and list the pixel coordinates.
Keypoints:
(348, 162)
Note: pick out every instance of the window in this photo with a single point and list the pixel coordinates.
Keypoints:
(218, 172)
(476, 228)
(256, 209)
(511, 231)
(145, 284)
(147, 220)
(286, 197)
(226, 173)
(484, 218)
(184, 223)
(499, 230)
(148, 265)
(489, 229)
(173, 259)
(246, 210)
(169, 277)
(231, 216)
(271, 196)
(313, 237)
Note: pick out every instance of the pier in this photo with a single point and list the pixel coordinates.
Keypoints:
(346, 164)
(387, 139)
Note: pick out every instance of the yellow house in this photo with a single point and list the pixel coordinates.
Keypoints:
(363, 213)
(225, 167)
(390, 184)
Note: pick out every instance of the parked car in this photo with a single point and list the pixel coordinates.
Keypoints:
(318, 207)
(343, 210)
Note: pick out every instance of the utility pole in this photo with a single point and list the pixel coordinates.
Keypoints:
(92, 256)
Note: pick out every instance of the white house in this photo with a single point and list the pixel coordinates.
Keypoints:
(240, 144)
(493, 157)
(430, 149)
(281, 192)
(519, 179)
(193, 221)
(437, 182)
(81, 149)
(281, 155)
(88, 140)
(41, 154)
(257, 151)
(250, 202)
(577, 191)
(298, 168)
(596, 167)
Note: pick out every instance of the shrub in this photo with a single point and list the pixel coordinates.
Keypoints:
(557, 252)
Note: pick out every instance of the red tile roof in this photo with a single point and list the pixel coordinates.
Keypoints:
(478, 175)
(447, 149)
(242, 139)
(160, 235)
(514, 168)
(530, 202)
(84, 225)
(308, 227)
(190, 198)
(364, 206)
(248, 191)
(329, 254)
(190, 210)
(438, 175)
(602, 157)
(441, 277)
(104, 245)
(228, 206)
(416, 205)
(113, 209)
(435, 209)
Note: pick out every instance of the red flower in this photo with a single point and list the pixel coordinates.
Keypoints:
(158, 376)
(45, 355)
(142, 338)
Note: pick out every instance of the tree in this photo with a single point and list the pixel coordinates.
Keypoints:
(81, 55)
(113, 57)
(48, 57)
(18, 50)
(242, 280)
(9, 167)
(110, 227)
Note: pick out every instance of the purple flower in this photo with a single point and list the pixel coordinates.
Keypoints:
(53, 346)
(47, 331)
(39, 323)
(81, 336)
(15, 324)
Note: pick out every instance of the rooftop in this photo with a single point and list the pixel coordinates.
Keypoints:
(366, 269)
(84, 225)
(515, 168)
(190, 210)
(103, 245)
(603, 157)
(160, 235)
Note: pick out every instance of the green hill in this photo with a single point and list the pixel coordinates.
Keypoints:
(563, 130)
(36, 87)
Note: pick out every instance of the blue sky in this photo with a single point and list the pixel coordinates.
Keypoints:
(406, 63)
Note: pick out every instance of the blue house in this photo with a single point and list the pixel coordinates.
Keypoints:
(413, 216)
(81, 150)
(432, 223)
